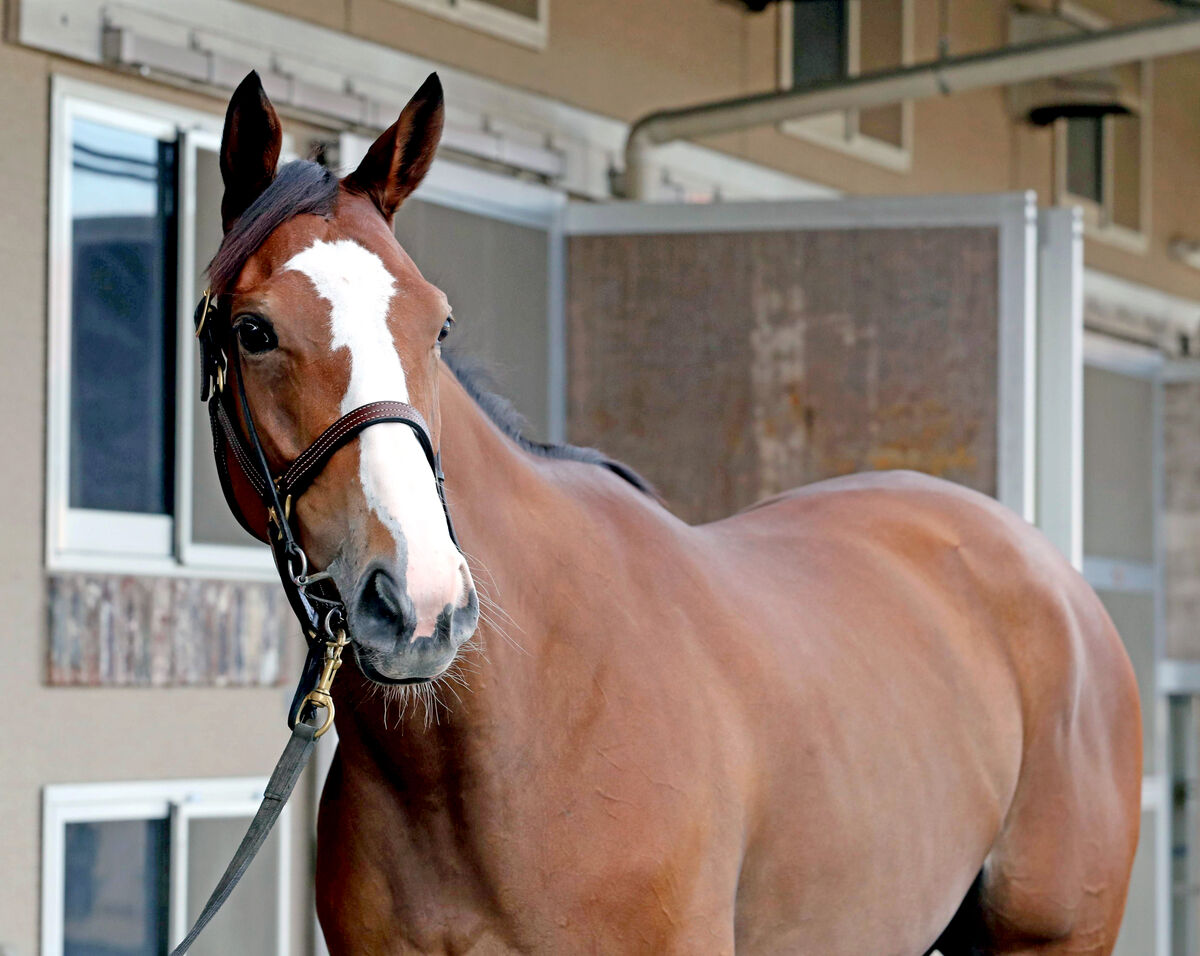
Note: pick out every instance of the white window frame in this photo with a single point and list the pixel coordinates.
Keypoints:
(488, 18)
(839, 131)
(109, 541)
(179, 802)
(1098, 216)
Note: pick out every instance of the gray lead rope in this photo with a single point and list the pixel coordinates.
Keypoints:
(279, 788)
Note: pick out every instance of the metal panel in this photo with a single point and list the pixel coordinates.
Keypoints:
(1119, 481)
(1181, 517)
(737, 349)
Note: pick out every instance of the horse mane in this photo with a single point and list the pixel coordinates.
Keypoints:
(299, 187)
(475, 377)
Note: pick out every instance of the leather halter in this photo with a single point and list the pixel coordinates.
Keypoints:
(264, 504)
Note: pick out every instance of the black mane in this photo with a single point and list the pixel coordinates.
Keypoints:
(299, 187)
(474, 377)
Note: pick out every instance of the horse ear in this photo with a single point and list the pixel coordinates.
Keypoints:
(250, 148)
(397, 162)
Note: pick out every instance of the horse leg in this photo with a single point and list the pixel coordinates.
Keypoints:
(967, 933)
(978, 930)
(1055, 878)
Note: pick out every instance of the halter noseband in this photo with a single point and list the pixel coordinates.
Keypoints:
(264, 505)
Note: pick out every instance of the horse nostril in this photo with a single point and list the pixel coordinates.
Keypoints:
(380, 599)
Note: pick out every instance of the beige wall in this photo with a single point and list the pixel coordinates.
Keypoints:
(615, 58)
(74, 735)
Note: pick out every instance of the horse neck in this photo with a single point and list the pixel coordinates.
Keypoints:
(522, 520)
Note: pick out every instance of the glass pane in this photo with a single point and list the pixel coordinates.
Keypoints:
(212, 521)
(247, 923)
(522, 8)
(1133, 615)
(818, 41)
(1127, 171)
(1118, 473)
(115, 893)
(122, 319)
(1139, 930)
(496, 276)
(1085, 157)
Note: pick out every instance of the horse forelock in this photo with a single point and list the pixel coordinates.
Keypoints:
(300, 187)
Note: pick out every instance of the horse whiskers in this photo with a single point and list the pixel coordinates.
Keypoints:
(426, 695)
(488, 614)
(489, 603)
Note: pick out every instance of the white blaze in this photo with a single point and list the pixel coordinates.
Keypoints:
(397, 481)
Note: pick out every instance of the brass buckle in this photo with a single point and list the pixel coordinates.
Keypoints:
(320, 695)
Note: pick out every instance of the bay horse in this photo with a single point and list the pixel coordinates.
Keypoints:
(875, 715)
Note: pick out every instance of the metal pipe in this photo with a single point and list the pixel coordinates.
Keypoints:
(1056, 57)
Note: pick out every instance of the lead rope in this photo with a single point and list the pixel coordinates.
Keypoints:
(287, 771)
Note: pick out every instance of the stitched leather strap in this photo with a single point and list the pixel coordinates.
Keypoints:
(301, 472)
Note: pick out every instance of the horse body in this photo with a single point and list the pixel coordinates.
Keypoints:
(805, 728)
(859, 718)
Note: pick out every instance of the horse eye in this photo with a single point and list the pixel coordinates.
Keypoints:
(449, 324)
(255, 333)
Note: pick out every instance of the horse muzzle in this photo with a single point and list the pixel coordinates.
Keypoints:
(383, 631)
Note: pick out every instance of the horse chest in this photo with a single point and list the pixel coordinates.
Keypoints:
(545, 866)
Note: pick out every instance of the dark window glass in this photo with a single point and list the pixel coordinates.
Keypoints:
(818, 41)
(115, 893)
(1085, 157)
(122, 325)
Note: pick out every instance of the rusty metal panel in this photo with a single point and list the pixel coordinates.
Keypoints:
(134, 631)
(1181, 517)
(731, 366)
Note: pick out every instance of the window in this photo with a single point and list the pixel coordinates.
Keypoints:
(522, 21)
(823, 40)
(1102, 165)
(135, 201)
(127, 867)
(1101, 162)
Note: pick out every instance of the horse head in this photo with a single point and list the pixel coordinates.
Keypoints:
(328, 313)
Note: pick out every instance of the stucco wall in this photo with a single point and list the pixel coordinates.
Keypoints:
(617, 59)
(63, 734)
